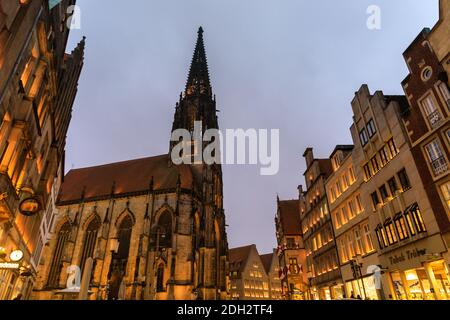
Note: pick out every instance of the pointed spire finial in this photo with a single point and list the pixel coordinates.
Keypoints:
(198, 79)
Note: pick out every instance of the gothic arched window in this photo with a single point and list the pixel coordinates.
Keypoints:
(120, 259)
(162, 232)
(58, 254)
(90, 240)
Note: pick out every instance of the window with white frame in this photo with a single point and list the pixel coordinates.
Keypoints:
(358, 240)
(445, 188)
(368, 238)
(445, 93)
(436, 157)
(432, 114)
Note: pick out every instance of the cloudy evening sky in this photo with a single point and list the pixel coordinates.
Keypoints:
(287, 64)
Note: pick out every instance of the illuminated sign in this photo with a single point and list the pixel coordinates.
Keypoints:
(9, 265)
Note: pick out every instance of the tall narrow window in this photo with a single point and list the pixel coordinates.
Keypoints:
(90, 240)
(390, 232)
(358, 240)
(392, 148)
(436, 157)
(445, 93)
(404, 180)
(384, 193)
(375, 200)
(384, 156)
(418, 219)
(445, 188)
(363, 137)
(400, 225)
(367, 172)
(432, 114)
(371, 129)
(393, 186)
(368, 238)
(58, 255)
(375, 165)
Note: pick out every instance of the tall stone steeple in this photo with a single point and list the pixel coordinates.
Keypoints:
(197, 102)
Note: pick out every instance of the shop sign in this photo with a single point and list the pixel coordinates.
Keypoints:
(407, 256)
(9, 266)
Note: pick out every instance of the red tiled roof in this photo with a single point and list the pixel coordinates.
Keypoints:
(238, 257)
(290, 217)
(266, 260)
(127, 177)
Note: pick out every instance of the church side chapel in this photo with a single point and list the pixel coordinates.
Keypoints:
(154, 230)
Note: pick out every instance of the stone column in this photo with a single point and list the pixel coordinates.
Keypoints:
(433, 282)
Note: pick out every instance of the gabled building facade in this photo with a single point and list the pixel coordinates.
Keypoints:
(247, 273)
(38, 85)
(318, 235)
(409, 244)
(291, 250)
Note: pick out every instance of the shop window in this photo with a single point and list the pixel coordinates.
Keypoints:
(404, 180)
(400, 225)
(371, 129)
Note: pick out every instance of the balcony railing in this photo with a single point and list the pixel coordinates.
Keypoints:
(439, 166)
(435, 119)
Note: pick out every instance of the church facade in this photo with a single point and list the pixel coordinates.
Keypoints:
(155, 230)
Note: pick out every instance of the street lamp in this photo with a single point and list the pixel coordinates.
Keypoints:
(356, 265)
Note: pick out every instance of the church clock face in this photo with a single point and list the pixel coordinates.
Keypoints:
(16, 255)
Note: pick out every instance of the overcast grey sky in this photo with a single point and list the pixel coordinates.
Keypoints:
(287, 64)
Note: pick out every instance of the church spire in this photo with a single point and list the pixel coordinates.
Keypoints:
(198, 79)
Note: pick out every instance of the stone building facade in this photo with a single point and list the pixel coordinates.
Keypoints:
(155, 230)
(38, 84)
(409, 244)
(354, 236)
(272, 267)
(318, 234)
(249, 279)
(291, 249)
